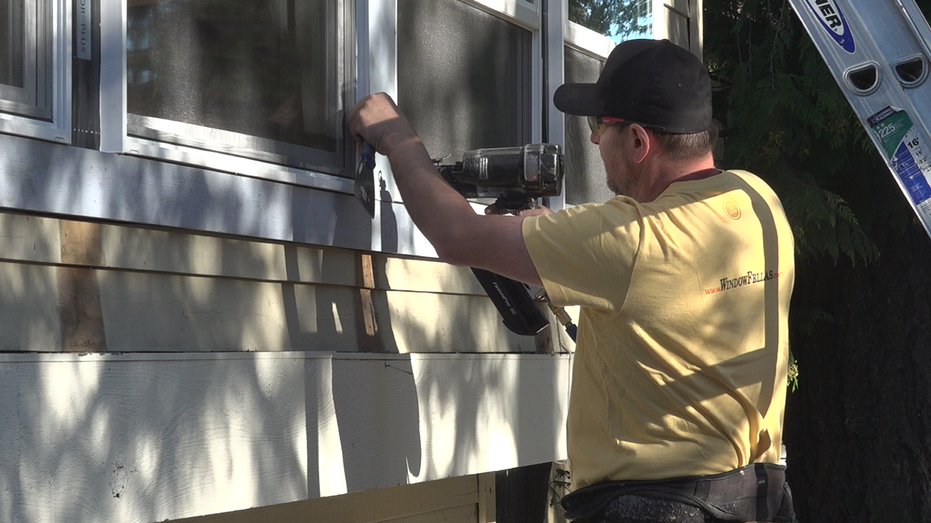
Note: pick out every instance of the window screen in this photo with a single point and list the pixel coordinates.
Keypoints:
(258, 78)
(25, 58)
(585, 173)
(463, 76)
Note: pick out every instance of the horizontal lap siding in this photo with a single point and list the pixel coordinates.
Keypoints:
(87, 287)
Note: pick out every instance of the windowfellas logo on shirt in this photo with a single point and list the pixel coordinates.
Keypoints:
(750, 278)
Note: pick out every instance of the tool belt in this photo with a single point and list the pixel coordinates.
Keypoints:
(757, 492)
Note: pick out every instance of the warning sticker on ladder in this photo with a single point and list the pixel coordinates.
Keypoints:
(906, 153)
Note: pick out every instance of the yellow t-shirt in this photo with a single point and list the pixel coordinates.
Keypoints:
(682, 351)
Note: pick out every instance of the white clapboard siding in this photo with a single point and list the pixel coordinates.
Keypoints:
(149, 437)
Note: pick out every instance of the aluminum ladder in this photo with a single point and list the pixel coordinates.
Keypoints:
(878, 52)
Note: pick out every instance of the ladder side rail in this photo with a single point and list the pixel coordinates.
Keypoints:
(896, 30)
(847, 44)
(889, 32)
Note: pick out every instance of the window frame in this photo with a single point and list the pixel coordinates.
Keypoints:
(596, 45)
(50, 42)
(322, 170)
(165, 185)
(691, 11)
(215, 192)
(378, 50)
(585, 41)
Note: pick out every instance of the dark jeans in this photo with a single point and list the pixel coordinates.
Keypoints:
(756, 492)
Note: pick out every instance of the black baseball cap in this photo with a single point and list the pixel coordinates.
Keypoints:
(651, 82)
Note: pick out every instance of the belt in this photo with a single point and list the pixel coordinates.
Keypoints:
(757, 492)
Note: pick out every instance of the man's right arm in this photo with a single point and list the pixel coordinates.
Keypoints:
(459, 235)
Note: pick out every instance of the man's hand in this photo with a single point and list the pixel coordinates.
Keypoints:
(376, 120)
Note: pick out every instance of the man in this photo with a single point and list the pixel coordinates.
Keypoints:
(683, 279)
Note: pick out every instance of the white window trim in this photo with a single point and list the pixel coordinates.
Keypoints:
(59, 128)
(662, 12)
(376, 63)
(112, 75)
(588, 41)
(557, 14)
(521, 12)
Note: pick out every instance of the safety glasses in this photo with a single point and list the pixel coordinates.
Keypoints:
(600, 124)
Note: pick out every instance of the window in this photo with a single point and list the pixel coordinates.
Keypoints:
(639, 21)
(261, 79)
(25, 58)
(677, 20)
(586, 49)
(622, 21)
(464, 76)
(586, 179)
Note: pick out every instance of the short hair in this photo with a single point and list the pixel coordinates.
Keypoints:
(682, 147)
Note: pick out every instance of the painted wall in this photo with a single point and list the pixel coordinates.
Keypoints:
(155, 437)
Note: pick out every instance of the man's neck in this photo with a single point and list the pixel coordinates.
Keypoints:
(659, 174)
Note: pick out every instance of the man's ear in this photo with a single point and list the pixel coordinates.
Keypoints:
(643, 141)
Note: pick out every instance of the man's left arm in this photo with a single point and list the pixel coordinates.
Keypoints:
(459, 235)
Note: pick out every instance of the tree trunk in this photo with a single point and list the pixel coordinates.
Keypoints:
(858, 429)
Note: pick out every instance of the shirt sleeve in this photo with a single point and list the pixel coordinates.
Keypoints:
(585, 255)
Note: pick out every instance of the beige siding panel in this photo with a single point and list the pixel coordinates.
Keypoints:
(407, 274)
(29, 319)
(29, 238)
(449, 515)
(164, 312)
(424, 322)
(433, 500)
(153, 250)
(38, 239)
(129, 289)
(126, 311)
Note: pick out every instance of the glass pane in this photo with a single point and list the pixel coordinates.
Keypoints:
(12, 48)
(585, 173)
(463, 76)
(622, 20)
(252, 68)
(26, 49)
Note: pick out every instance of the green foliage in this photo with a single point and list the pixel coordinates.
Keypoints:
(808, 319)
(784, 118)
(610, 17)
(792, 377)
(559, 485)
